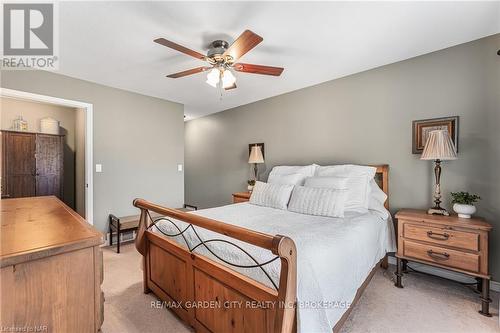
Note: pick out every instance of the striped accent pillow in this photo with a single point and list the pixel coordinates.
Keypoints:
(318, 201)
(271, 195)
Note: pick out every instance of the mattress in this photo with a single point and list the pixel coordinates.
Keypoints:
(334, 255)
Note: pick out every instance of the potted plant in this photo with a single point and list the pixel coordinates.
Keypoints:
(251, 184)
(463, 203)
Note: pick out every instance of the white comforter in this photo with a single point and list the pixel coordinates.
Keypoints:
(334, 255)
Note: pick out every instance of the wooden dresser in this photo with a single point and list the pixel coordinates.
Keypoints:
(447, 242)
(51, 268)
(241, 197)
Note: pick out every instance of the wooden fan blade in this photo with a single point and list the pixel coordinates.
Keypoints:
(247, 41)
(180, 48)
(258, 69)
(189, 72)
(231, 87)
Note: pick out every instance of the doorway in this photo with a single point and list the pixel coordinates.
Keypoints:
(82, 198)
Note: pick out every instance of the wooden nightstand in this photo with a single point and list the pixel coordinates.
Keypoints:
(241, 197)
(448, 242)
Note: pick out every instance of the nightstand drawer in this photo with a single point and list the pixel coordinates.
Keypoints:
(239, 199)
(442, 236)
(442, 256)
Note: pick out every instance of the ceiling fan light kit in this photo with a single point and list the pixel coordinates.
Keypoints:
(228, 79)
(213, 77)
(222, 56)
(221, 75)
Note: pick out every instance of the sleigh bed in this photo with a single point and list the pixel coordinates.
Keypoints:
(241, 275)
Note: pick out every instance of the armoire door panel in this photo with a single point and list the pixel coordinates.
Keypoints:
(48, 185)
(5, 189)
(20, 149)
(21, 186)
(20, 164)
(49, 165)
(48, 154)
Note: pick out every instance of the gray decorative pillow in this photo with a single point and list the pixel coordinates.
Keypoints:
(318, 201)
(271, 195)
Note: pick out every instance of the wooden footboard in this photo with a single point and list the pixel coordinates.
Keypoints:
(207, 295)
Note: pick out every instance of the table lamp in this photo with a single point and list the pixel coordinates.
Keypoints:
(439, 147)
(255, 158)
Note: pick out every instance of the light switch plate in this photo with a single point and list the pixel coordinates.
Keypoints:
(98, 168)
(179, 167)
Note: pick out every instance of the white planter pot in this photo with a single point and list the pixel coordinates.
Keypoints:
(464, 211)
(250, 188)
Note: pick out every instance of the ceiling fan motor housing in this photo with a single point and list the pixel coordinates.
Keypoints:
(217, 49)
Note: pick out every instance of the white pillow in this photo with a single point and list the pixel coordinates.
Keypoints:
(339, 183)
(345, 170)
(292, 179)
(271, 195)
(377, 200)
(379, 209)
(376, 192)
(358, 183)
(306, 170)
(318, 201)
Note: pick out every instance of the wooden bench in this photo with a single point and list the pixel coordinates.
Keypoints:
(121, 225)
(124, 224)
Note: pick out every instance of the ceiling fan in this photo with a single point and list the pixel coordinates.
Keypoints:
(222, 59)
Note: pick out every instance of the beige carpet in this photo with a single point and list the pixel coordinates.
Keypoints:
(426, 304)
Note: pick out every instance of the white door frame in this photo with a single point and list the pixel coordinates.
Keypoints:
(87, 107)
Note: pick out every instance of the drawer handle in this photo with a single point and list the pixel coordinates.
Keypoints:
(438, 255)
(437, 236)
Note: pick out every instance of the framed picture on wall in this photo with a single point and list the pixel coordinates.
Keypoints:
(422, 128)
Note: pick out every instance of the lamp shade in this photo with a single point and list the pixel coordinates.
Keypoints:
(256, 155)
(439, 146)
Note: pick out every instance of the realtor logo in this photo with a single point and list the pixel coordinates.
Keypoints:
(29, 36)
(28, 29)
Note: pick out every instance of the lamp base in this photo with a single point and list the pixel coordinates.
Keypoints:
(438, 211)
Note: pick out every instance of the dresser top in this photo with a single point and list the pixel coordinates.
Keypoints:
(38, 227)
(418, 215)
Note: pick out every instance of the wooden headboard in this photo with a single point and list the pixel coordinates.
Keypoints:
(382, 179)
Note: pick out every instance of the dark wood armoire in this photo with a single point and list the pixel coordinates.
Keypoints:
(32, 164)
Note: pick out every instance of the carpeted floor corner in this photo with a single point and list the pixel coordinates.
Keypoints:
(425, 304)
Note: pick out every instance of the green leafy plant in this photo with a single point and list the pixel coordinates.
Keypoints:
(464, 198)
(251, 182)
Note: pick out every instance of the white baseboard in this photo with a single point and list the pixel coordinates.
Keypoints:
(494, 285)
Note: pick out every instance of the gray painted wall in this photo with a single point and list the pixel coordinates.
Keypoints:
(366, 118)
(33, 112)
(139, 140)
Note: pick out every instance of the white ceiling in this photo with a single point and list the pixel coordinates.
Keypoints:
(112, 42)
